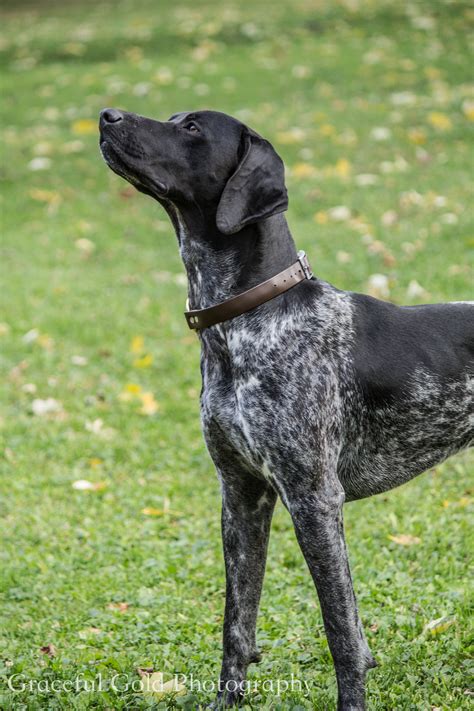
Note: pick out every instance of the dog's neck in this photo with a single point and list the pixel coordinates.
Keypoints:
(221, 266)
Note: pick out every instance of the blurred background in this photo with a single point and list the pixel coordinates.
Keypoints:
(109, 503)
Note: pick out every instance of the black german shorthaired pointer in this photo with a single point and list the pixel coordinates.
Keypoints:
(313, 394)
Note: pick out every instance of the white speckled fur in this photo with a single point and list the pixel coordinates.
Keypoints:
(318, 396)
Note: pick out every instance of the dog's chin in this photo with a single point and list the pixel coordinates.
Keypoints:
(154, 188)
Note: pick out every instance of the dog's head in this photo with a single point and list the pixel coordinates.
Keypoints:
(201, 158)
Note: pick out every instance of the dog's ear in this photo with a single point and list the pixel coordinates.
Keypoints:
(257, 188)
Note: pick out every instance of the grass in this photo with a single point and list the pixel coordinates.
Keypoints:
(129, 574)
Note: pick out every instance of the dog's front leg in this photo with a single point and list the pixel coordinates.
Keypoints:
(247, 508)
(317, 518)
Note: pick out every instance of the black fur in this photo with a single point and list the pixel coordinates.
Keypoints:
(319, 396)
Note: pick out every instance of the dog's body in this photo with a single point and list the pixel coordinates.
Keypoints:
(319, 396)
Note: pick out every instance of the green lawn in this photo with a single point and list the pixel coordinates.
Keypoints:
(369, 104)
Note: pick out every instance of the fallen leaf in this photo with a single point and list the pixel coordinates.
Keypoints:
(417, 136)
(85, 246)
(416, 291)
(378, 286)
(150, 511)
(302, 170)
(301, 71)
(321, 217)
(144, 671)
(389, 218)
(133, 388)
(339, 213)
(16, 373)
(405, 539)
(40, 163)
(149, 404)
(163, 76)
(78, 360)
(380, 133)
(97, 427)
(468, 109)
(439, 625)
(127, 193)
(31, 336)
(155, 684)
(343, 257)
(45, 341)
(327, 130)
(86, 485)
(118, 606)
(290, 137)
(84, 126)
(343, 168)
(131, 391)
(49, 649)
(88, 631)
(45, 407)
(144, 362)
(440, 121)
(365, 179)
(49, 196)
(137, 344)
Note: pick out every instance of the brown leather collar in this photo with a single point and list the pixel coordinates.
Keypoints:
(203, 318)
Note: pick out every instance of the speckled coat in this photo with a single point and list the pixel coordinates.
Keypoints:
(319, 396)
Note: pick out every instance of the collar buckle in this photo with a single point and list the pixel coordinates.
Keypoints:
(305, 266)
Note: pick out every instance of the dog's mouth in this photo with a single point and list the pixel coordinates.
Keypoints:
(116, 159)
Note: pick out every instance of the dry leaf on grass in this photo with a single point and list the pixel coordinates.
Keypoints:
(144, 671)
(156, 685)
(88, 632)
(118, 606)
(85, 485)
(405, 539)
(149, 404)
(45, 407)
(49, 649)
(378, 286)
(131, 391)
(82, 127)
(440, 121)
(136, 346)
(439, 625)
(151, 511)
(143, 362)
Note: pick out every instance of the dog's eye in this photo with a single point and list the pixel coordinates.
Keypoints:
(191, 127)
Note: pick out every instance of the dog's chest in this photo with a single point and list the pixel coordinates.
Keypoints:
(233, 419)
(263, 404)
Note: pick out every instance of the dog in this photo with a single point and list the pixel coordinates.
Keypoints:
(313, 394)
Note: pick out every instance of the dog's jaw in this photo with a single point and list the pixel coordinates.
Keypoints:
(116, 162)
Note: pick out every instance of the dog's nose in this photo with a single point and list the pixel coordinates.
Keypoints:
(111, 115)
